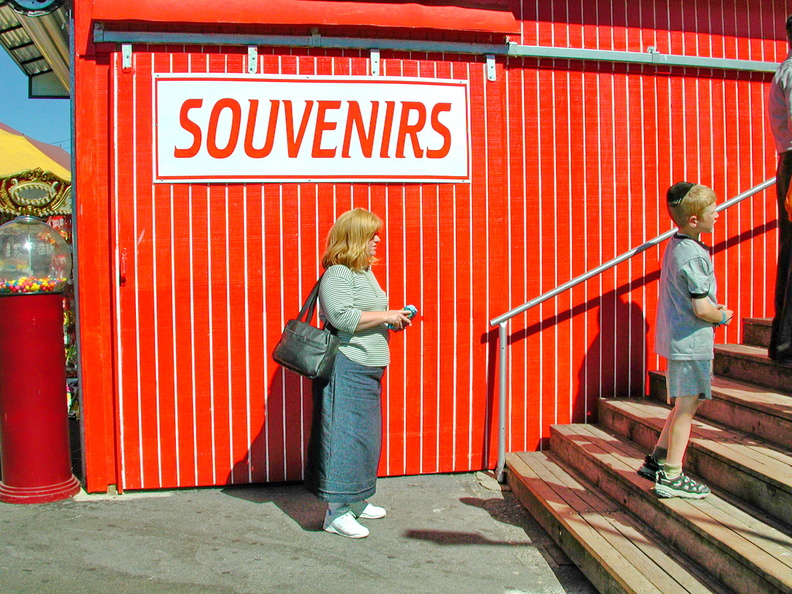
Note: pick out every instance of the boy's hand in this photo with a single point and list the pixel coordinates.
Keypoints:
(729, 314)
(788, 202)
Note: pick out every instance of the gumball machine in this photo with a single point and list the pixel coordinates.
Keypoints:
(35, 459)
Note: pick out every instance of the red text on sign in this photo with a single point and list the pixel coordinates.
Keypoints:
(404, 122)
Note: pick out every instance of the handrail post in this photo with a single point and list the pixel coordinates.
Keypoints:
(502, 366)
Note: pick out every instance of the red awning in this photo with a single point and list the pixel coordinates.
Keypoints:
(493, 16)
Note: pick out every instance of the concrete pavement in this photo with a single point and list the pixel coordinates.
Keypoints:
(444, 533)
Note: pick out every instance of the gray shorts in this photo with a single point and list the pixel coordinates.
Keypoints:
(689, 378)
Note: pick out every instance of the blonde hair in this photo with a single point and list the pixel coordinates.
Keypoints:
(695, 201)
(347, 242)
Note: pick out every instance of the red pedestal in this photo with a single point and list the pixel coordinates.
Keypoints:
(35, 458)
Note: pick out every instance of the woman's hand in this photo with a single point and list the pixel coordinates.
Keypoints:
(395, 317)
(398, 319)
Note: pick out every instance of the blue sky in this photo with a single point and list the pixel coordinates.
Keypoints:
(46, 120)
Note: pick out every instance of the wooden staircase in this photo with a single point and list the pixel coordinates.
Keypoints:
(586, 494)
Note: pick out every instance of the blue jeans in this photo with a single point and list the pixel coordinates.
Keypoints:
(346, 433)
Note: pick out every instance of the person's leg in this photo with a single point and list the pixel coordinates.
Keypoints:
(781, 337)
(670, 481)
(336, 510)
(654, 461)
(661, 447)
(677, 431)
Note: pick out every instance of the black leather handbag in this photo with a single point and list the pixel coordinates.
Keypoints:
(304, 348)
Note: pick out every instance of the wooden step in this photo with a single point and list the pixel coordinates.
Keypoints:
(744, 553)
(748, 468)
(756, 331)
(614, 551)
(749, 408)
(751, 364)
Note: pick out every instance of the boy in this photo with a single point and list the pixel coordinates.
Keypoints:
(687, 314)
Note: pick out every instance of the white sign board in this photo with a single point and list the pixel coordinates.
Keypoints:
(239, 128)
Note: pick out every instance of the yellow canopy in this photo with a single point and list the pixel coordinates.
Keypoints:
(20, 153)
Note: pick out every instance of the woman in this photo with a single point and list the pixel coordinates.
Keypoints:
(346, 434)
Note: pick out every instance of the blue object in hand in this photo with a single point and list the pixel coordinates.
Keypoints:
(413, 312)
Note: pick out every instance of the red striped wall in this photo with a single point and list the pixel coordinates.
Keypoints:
(571, 160)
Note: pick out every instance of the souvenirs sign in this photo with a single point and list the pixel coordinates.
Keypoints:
(240, 128)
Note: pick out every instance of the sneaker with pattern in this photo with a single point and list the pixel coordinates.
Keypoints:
(680, 486)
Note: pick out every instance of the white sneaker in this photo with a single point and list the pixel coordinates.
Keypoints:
(363, 509)
(345, 525)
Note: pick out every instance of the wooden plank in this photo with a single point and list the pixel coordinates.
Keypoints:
(553, 500)
(756, 459)
(772, 494)
(754, 396)
(746, 394)
(772, 541)
(636, 498)
(599, 548)
(642, 573)
(579, 498)
(621, 457)
(751, 364)
(750, 455)
(716, 525)
(658, 555)
(533, 492)
(642, 564)
(746, 350)
(779, 455)
(706, 433)
(651, 554)
(764, 462)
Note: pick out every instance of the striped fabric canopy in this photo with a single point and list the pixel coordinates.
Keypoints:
(20, 153)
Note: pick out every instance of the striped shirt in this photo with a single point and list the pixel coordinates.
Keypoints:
(343, 296)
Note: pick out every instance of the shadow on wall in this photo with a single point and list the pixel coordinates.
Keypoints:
(275, 454)
(615, 364)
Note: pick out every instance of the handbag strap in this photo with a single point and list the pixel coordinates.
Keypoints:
(307, 312)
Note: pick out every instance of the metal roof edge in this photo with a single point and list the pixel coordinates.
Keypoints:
(650, 57)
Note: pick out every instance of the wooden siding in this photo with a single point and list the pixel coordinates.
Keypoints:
(571, 161)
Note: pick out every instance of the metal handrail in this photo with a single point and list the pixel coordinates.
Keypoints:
(504, 318)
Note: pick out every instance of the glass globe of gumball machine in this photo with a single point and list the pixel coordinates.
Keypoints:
(35, 458)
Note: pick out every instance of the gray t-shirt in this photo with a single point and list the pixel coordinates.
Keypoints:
(343, 296)
(686, 274)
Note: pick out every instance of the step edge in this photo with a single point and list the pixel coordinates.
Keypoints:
(718, 388)
(632, 483)
(689, 567)
(701, 444)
